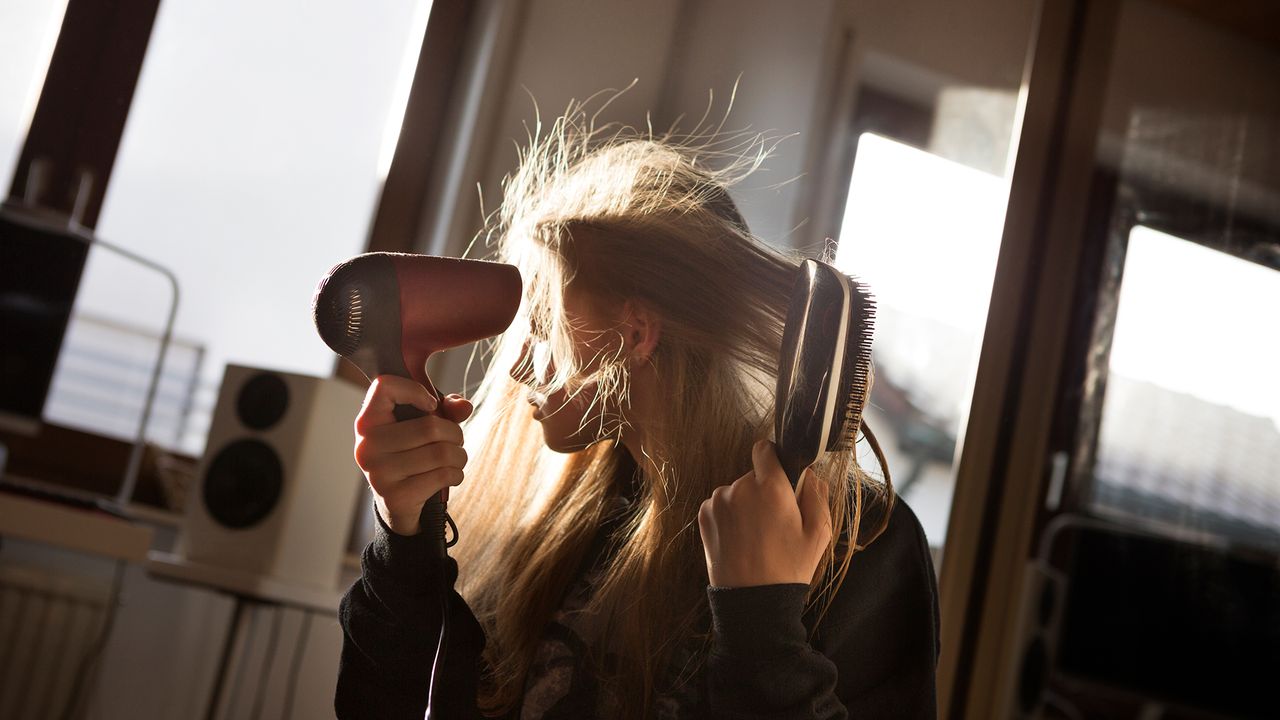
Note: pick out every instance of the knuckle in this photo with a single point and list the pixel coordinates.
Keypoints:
(362, 455)
(721, 496)
(430, 425)
(450, 431)
(426, 428)
(373, 389)
(384, 383)
(438, 429)
(378, 390)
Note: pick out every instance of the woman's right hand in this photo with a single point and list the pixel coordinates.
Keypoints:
(408, 462)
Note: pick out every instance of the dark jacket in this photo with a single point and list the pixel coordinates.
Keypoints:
(873, 655)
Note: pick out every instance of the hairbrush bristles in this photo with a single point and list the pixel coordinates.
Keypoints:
(824, 366)
(857, 365)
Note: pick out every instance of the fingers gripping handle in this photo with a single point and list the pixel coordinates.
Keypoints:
(434, 515)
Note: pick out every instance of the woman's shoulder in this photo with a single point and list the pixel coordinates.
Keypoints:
(881, 628)
(891, 579)
(902, 539)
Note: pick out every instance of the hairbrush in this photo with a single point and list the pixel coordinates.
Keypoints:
(824, 367)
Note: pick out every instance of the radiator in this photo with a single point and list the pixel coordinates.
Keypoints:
(50, 628)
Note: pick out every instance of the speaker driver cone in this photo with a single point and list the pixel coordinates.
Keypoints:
(243, 483)
(262, 401)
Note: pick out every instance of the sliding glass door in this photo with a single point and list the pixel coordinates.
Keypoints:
(1126, 433)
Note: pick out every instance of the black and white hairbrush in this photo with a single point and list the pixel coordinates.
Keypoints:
(824, 367)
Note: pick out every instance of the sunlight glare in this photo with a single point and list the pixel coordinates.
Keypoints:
(1194, 320)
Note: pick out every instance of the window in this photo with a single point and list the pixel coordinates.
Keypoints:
(1190, 431)
(28, 29)
(923, 232)
(255, 150)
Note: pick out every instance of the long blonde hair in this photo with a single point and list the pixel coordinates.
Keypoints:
(618, 214)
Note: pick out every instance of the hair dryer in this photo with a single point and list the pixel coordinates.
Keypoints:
(389, 312)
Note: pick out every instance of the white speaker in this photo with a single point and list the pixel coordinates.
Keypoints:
(277, 486)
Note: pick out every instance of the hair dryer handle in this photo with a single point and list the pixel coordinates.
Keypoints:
(433, 518)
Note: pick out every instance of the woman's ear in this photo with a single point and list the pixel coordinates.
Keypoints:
(644, 329)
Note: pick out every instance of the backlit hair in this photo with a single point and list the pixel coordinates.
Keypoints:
(614, 214)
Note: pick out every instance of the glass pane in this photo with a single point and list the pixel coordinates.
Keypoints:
(1170, 584)
(28, 31)
(253, 155)
(1179, 424)
(1190, 433)
(924, 232)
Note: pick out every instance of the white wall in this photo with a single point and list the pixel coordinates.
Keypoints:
(778, 55)
(536, 56)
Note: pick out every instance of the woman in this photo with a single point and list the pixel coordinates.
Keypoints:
(629, 544)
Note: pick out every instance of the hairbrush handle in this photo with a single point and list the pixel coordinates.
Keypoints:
(434, 518)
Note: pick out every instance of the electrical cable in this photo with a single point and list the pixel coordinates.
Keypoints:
(100, 642)
(441, 651)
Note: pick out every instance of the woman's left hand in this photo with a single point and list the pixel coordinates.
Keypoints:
(756, 531)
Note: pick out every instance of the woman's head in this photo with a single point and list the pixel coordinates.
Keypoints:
(651, 321)
(575, 417)
(638, 266)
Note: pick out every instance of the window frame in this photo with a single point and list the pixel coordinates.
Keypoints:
(75, 134)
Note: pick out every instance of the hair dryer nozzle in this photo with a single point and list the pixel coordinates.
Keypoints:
(389, 312)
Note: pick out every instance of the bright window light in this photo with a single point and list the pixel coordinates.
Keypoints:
(924, 233)
(1194, 320)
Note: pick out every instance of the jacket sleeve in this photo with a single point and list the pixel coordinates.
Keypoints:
(391, 618)
(873, 654)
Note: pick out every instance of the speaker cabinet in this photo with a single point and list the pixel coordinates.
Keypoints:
(277, 486)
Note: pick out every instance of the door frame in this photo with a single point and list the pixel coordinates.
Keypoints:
(1003, 470)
